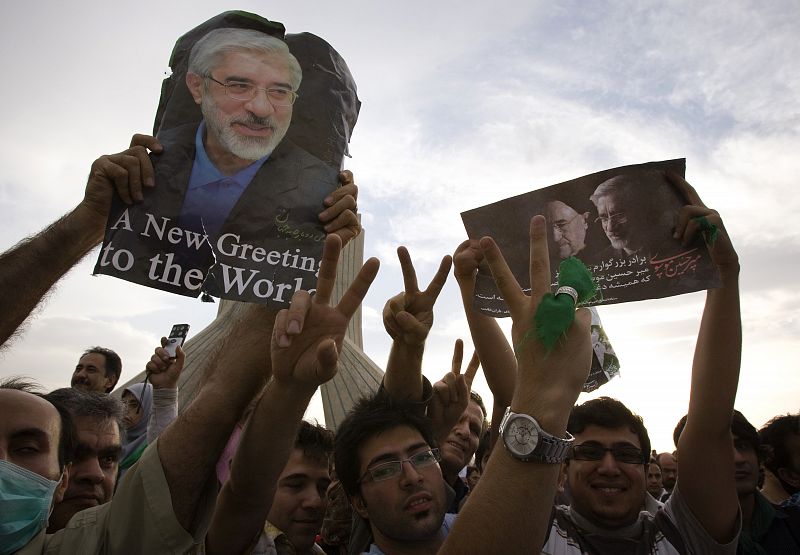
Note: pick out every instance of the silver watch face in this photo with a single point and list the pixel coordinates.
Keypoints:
(520, 436)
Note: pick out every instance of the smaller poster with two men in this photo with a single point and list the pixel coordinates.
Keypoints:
(618, 222)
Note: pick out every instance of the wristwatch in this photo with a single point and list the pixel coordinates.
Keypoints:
(527, 441)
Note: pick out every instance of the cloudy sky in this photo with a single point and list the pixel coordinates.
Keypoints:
(462, 106)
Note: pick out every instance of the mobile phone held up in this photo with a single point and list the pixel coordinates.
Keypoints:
(176, 338)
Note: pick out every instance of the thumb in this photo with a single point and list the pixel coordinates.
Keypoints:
(327, 359)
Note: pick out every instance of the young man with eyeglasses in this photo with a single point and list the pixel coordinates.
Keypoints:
(390, 472)
(510, 510)
(608, 466)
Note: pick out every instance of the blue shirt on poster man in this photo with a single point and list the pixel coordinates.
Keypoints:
(211, 195)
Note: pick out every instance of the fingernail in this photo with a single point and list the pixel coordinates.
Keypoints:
(150, 182)
(294, 327)
(328, 200)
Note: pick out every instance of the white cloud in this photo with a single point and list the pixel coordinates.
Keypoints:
(462, 105)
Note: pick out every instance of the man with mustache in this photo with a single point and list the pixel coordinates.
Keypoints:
(245, 83)
(97, 420)
(669, 473)
(98, 370)
(242, 169)
(232, 193)
(638, 213)
(568, 228)
(621, 219)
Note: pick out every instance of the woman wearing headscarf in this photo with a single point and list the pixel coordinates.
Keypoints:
(138, 400)
(150, 407)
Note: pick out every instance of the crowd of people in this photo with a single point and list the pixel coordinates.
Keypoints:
(416, 468)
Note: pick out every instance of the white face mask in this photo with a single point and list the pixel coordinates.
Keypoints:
(26, 501)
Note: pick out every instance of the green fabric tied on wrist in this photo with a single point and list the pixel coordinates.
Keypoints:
(710, 231)
(556, 313)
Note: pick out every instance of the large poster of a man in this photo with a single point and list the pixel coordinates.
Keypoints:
(619, 222)
(235, 208)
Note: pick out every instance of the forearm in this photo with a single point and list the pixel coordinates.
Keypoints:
(498, 409)
(496, 355)
(403, 378)
(246, 498)
(503, 498)
(190, 447)
(717, 360)
(705, 448)
(163, 412)
(33, 266)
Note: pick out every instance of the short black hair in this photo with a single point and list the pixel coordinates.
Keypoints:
(484, 446)
(113, 362)
(478, 400)
(676, 433)
(745, 431)
(68, 438)
(775, 434)
(606, 412)
(88, 403)
(369, 417)
(315, 441)
(67, 435)
(22, 383)
(740, 427)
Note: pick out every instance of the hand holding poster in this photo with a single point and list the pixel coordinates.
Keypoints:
(619, 222)
(248, 166)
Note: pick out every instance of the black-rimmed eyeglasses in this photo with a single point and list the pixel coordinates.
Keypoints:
(622, 452)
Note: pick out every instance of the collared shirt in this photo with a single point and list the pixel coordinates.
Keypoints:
(139, 519)
(274, 542)
(211, 195)
(447, 524)
(461, 489)
(672, 530)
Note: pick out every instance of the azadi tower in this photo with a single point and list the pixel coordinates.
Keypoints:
(358, 375)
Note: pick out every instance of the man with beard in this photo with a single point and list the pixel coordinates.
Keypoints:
(622, 220)
(638, 215)
(98, 370)
(569, 228)
(228, 185)
(245, 83)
